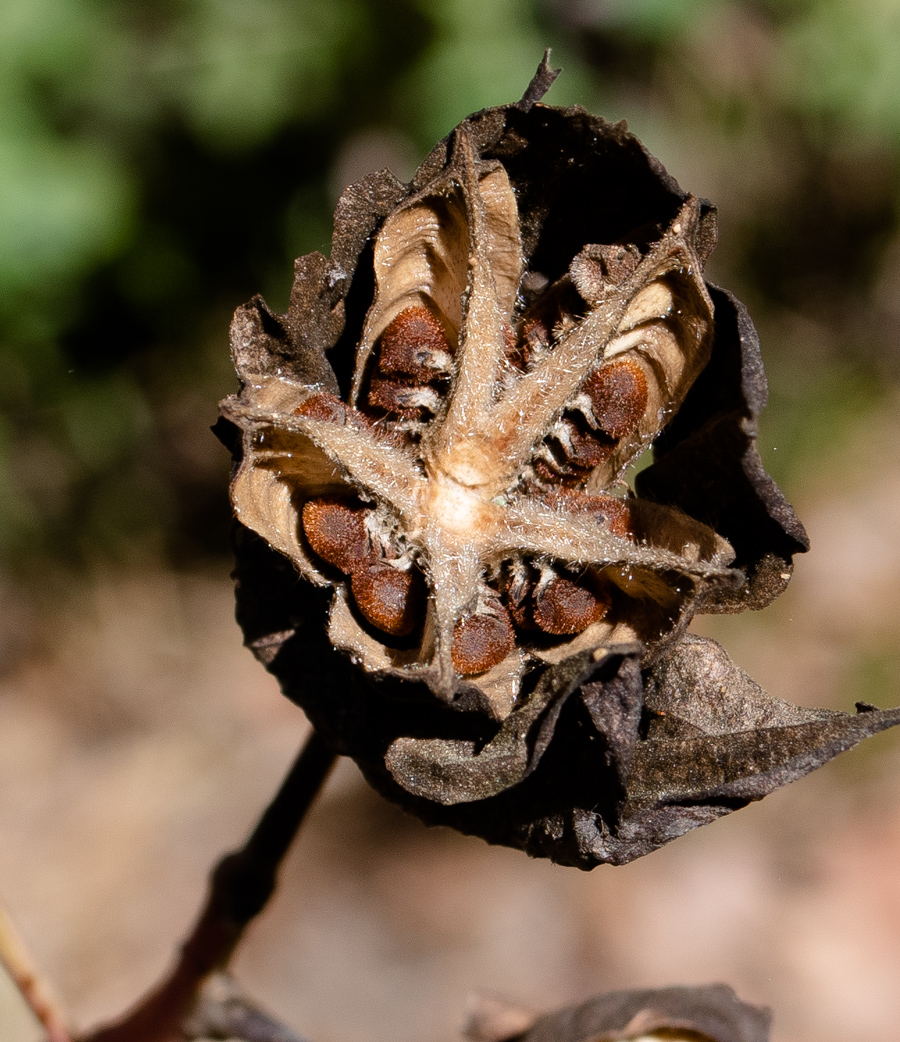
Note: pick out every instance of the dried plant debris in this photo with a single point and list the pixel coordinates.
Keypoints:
(706, 1014)
(439, 554)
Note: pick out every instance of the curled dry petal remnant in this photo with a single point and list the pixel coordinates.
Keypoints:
(439, 553)
(701, 1014)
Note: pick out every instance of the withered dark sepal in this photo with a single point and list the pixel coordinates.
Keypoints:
(623, 775)
(700, 1014)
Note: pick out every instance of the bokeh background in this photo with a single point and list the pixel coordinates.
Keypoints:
(163, 160)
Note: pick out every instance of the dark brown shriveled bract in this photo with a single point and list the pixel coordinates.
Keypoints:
(441, 551)
(711, 1013)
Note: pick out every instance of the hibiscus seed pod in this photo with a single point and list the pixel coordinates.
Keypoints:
(565, 268)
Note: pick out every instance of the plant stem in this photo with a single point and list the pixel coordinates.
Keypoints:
(240, 886)
(17, 960)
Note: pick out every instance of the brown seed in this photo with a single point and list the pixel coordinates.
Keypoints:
(619, 261)
(414, 345)
(515, 351)
(589, 448)
(481, 641)
(534, 340)
(336, 531)
(391, 599)
(618, 394)
(564, 607)
(516, 591)
(322, 406)
(409, 400)
(615, 513)
(552, 474)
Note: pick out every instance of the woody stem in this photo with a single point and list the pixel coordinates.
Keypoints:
(240, 886)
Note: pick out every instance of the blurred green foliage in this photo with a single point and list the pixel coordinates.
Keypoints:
(163, 160)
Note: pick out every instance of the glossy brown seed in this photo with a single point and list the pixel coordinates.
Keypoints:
(618, 394)
(565, 606)
(336, 531)
(414, 345)
(390, 599)
(481, 641)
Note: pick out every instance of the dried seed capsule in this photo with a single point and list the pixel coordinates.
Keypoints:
(336, 531)
(414, 344)
(564, 606)
(618, 394)
(481, 641)
(389, 598)
(503, 229)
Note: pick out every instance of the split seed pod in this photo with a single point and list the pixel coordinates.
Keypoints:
(437, 438)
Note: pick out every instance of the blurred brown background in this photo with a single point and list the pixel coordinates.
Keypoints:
(163, 160)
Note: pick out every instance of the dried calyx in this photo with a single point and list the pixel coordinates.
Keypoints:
(440, 436)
